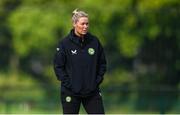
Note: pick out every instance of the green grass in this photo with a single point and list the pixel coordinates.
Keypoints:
(111, 107)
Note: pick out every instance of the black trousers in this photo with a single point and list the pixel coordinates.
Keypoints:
(92, 104)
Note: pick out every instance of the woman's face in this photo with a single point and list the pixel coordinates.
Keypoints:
(81, 26)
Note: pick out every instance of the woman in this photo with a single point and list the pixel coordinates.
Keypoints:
(80, 65)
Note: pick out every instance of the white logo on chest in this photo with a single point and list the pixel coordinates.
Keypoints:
(73, 52)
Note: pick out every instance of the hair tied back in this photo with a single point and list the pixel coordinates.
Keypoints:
(75, 11)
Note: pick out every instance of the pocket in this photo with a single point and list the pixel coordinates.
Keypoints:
(67, 83)
(65, 90)
(99, 80)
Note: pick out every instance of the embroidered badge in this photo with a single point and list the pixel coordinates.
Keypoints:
(68, 99)
(91, 51)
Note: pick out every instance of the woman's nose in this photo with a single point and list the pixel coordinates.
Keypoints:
(85, 25)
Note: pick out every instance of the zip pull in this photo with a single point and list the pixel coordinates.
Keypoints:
(82, 41)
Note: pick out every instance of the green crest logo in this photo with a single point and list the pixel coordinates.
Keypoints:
(68, 99)
(91, 51)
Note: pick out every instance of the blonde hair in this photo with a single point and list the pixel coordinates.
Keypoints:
(78, 14)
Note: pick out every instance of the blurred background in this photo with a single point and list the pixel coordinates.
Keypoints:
(141, 39)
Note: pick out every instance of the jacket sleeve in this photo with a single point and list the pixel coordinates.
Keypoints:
(101, 65)
(59, 66)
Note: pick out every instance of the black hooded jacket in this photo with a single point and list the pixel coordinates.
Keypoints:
(80, 65)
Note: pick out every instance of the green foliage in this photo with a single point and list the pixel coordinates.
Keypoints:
(18, 88)
(141, 40)
(34, 28)
(129, 44)
(125, 78)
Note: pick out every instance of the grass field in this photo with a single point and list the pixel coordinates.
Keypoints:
(54, 108)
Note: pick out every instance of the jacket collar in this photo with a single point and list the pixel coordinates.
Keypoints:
(76, 39)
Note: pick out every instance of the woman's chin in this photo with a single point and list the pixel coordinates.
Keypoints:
(84, 33)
